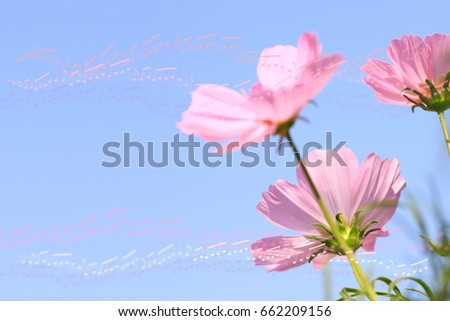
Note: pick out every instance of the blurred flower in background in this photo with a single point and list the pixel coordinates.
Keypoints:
(419, 75)
(289, 78)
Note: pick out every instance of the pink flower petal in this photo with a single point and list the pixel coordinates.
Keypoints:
(285, 88)
(378, 185)
(281, 253)
(316, 74)
(333, 181)
(345, 187)
(217, 99)
(369, 242)
(386, 80)
(415, 61)
(284, 67)
(320, 261)
(440, 56)
(286, 103)
(254, 134)
(289, 206)
(308, 49)
(413, 56)
(277, 67)
(310, 82)
(216, 113)
(213, 128)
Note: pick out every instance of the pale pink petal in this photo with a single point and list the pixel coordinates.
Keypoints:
(258, 134)
(386, 80)
(288, 103)
(254, 134)
(289, 206)
(281, 106)
(369, 242)
(216, 113)
(222, 114)
(440, 56)
(308, 49)
(214, 128)
(283, 67)
(262, 102)
(333, 180)
(317, 74)
(281, 253)
(277, 67)
(378, 186)
(321, 260)
(413, 56)
(217, 99)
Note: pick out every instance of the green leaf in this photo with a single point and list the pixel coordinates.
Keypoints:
(428, 292)
(325, 228)
(417, 291)
(365, 227)
(392, 287)
(438, 249)
(371, 231)
(434, 91)
(347, 294)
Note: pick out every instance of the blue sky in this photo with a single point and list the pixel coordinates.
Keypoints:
(64, 216)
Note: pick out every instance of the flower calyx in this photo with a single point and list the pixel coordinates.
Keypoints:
(353, 234)
(438, 102)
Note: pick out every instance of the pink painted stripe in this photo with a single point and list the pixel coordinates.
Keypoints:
(89, 219)
(105, 52)
(231, 37)
(23, 229)
(42, 77)
(167, 68)
(120, 62)
(242, 83)
(207, 36)
(74, 73)
(146, 42)
(90, 60)
(109, 214)
(216, 245)
(373, 52)
(94, 68)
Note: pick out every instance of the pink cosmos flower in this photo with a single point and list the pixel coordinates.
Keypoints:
(363, 198)
(288, 77)
(421, 66)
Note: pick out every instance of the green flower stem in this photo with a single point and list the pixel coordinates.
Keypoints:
(360, 275)
(445, 130)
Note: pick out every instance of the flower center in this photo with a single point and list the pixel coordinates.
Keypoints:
(354, 233)
(438, 101)
(283, 128)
